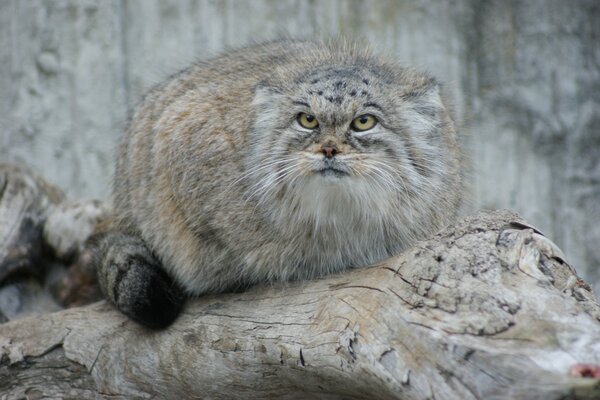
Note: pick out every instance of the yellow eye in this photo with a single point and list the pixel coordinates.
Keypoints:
(363, 123)
(307, 121)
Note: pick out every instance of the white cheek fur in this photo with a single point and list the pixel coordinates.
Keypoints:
(300, 129)
(377, 130)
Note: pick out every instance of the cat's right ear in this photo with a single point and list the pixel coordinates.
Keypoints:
(265, 96)
(267, 101)
(266, 106)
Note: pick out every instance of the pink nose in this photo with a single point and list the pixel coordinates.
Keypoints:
(329, 151)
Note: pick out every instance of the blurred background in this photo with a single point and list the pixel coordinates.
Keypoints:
(524, 78)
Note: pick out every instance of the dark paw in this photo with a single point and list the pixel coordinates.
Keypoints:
(132, 278)
(146, 294)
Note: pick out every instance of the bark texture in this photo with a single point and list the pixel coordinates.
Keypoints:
(486, 309)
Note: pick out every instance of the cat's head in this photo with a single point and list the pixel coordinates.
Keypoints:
(349, 131)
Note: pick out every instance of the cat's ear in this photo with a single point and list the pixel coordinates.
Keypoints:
(265, 96)
(428, 99)
(422, 109)
(267, 101)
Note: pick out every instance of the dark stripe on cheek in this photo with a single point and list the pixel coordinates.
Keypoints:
(391, 153)
(300, 142)
(368, 141)
(353, 142)
(416, 160)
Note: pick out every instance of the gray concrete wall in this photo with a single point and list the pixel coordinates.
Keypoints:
(524, 78)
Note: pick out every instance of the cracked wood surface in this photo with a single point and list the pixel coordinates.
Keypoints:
(486, 309)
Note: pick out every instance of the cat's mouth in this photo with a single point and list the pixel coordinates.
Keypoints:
(330, 168)
(333, 168)
(333, 172)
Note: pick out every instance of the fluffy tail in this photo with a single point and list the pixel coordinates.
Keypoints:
(133, 279)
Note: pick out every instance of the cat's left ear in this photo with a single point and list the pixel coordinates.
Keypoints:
(422, 109)
(428, 100)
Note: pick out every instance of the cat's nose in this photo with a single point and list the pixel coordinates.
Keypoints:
(329, 150)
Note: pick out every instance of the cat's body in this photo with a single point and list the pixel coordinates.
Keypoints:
(225, 180)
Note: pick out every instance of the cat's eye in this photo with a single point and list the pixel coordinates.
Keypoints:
(307, 121)
(363, 123)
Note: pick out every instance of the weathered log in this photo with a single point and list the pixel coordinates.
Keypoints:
(486, 309)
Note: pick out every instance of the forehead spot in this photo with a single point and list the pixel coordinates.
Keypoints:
(365, 81)
(335, 99)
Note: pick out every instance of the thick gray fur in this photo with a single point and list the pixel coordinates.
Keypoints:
(220, 182)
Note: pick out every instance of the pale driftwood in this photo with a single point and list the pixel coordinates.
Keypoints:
(24, 202)
(41, 234)
(487, 309)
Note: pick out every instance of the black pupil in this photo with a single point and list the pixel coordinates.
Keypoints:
(363, 120)
(309, 118)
